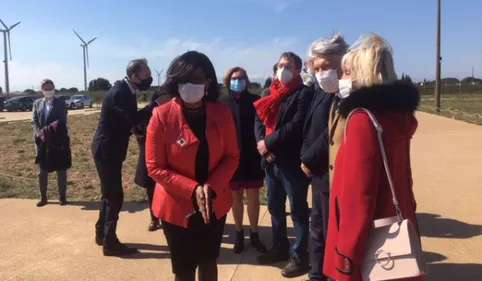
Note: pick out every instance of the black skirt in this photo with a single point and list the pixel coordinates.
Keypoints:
(198, 242)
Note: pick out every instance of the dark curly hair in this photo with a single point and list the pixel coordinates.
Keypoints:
(181, 70)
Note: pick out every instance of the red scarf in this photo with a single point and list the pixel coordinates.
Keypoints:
(268, 106)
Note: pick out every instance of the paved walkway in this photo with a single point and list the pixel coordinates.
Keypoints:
(56, 243)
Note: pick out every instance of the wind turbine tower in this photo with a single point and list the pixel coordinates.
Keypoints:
(85, 52)
(6, 42)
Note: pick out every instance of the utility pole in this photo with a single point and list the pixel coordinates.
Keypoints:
(473, 75)
(439, 59)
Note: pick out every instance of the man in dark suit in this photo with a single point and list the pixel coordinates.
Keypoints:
(265, 92)
(278, 131)
(44, 112)
(118, 117)
(324, 61)
(142, 178)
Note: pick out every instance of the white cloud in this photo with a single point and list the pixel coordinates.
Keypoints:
(108, 59)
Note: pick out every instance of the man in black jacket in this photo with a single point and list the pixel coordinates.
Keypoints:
(118, 117)
(324, 61)
(278, 131)
(265, 92)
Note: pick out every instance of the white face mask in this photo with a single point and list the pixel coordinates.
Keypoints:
(284, 75)
(191, 93)
(328, 80)
(345, 86)
(49, 94)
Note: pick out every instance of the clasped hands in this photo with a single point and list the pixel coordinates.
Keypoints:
(263, 151)
(204, 200)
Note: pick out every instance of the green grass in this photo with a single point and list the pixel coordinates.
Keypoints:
(466, 107)
(18, 175)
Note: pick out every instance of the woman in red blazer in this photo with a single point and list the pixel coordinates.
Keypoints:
(192, 154)
(360, 192)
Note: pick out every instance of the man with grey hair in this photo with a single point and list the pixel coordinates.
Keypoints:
(324, 62)
(118, 117)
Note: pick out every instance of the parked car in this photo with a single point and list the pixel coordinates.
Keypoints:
(19, 104)
(63, 98)
(79, 101)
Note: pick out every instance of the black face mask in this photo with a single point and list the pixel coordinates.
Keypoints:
(145, 84)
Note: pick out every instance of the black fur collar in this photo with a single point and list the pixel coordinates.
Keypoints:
(398, 97)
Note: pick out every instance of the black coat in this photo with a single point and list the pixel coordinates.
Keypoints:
(314, 153)
(286, 141)
(118, 115)
(53, 154)
(244, 113)
(142, 177)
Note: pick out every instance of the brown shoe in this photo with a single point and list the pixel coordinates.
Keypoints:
(154, 225)
(295, 268)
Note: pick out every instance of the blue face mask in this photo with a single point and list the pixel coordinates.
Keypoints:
(238, 85)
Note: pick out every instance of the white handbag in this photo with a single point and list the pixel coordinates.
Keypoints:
(393, 250)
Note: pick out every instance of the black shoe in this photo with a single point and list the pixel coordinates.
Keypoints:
(154, 225)
(99, 240)
(63, 202)
(239, 242)
(42, 202)
(118, 249)
(256, 243)
(273, 256)
(295, 268)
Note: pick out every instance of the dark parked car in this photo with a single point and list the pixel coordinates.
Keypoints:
(19, 104)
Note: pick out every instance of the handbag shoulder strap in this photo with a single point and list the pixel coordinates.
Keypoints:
(379, 130)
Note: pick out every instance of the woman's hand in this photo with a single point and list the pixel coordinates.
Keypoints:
(203, 201)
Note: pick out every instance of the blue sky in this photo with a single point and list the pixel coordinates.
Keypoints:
(249, 33)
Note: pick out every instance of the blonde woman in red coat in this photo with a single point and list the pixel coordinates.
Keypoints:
(360, 192)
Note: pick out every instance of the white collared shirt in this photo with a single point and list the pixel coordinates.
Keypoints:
(133, 90)
(47, 107)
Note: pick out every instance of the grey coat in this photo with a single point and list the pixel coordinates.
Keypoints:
(58, 111)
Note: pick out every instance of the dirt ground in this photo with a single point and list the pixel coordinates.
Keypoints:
(57, 243)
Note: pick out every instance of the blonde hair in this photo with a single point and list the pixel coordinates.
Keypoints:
(370, 61)
(230, 72)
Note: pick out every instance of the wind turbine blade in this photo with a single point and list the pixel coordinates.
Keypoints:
(91, 40)
(4, 25)
(9, 45)
(11, 27)
(79, 37)
(156, 71)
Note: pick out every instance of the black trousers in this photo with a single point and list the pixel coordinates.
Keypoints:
(110, 174)
(319, 229)
(150, 196)
(198, 242)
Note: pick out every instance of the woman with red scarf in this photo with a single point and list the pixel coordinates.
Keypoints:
(278, 130)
